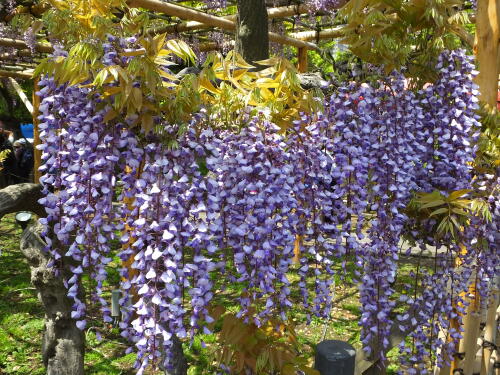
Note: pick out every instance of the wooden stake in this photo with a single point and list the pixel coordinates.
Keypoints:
(302, 55)
(36, 133)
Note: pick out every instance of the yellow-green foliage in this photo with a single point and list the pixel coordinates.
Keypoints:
(227, 87)
(404, 32)
(74, 20)
(269, 349)
(488, 156)
(452, 212)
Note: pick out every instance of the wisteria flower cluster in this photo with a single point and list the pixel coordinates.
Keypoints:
(227, 207)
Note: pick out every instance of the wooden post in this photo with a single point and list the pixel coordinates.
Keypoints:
(36, 133)
(487, 49)
(302, 55)
(445, 370)
(454, 324)
(490, 329)
(471, 331)
(478, 360)
(296, 249)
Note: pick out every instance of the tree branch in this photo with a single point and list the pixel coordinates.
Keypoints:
(21, 197)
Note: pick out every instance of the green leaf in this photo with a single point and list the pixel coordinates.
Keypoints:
(262, 360)
(438, 202)
(457, 194)
(455, 222)
(460, 212)
(439, 211)
(442, 225)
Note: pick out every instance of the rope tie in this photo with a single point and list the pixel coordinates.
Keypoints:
(460, 356)
(489, 345)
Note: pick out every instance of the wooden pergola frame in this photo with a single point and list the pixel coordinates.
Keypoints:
(198, 20)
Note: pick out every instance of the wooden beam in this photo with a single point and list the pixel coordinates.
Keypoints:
(18, 89)
(20, 75)
(283, 39)
(208, 19)
(19, 44)
(181, 12)
(18, 53)
(279, 12)
(332, 33)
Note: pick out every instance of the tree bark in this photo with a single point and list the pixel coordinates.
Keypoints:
(21, 197)
(63, 344)
(179, 363)
(252, 39)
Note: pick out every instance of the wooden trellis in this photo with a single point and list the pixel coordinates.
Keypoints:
(195, 20)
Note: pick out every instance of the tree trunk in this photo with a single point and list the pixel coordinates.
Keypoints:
(63, 343)
(252, 39)
(179, 363)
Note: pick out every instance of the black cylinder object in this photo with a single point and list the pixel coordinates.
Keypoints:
(335, 357)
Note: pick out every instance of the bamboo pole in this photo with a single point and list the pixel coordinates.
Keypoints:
(490, 370)
(332, 33)
(445, 370)
(19, 53)
(491, 327)
(478, 359)
(20, 75)
(449, 369)
(471, 323)
(19, 91)
(177, 11)
(208, 19)
(19, 44)
(279, 12)
(36, 133)
(487, 49)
